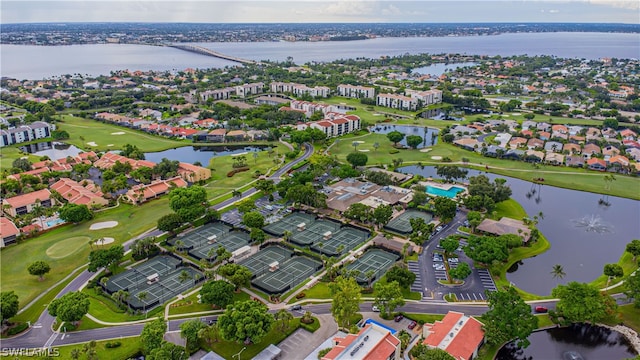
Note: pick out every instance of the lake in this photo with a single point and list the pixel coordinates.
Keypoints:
(429, 135)
(202, 154)
(38, 62)
(592, 342)
(584, 235)
(440, 68)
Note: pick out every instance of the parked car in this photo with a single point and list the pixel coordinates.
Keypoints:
(375, 309)
(439, 228)
(295, 307)
(398, 318)
(412, 325)
(541, 309)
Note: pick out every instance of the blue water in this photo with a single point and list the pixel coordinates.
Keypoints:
(52, 223)
(451, 193)
(371, 321)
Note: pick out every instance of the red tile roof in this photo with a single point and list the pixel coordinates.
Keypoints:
(457, 334)
(7, 228)
(28, 199)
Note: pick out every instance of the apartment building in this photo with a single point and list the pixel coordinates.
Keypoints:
(396, 101)
(34, 131)
(356, 92)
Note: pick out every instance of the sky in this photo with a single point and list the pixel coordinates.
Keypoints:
(318, 11)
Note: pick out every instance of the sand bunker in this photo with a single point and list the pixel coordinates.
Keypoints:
(436, 157)
(118, 133)
(364, 150)
(425, 150)
(91, 143)
(359, 142)
(109, 145)
(105, 241)
(103, 225)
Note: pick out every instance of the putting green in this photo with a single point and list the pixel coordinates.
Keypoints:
(67, 247)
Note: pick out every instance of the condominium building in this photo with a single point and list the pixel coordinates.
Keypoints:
(34, 131)
(357, 92)
(396, 101)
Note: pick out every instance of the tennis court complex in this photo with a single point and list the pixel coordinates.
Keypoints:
(231, 241)
(276, 269)
(340, 242)
(375, 260)
(201, 236)
(160, 279)
(400, 224)
(289, 223)
(315, 232)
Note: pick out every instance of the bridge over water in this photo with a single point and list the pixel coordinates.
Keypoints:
(209, 52)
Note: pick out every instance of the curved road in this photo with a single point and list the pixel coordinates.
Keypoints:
(41, 333)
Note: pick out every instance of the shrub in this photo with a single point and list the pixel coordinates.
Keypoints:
(300, 295)
(235, 171)
(17, 329)
(394, 151)
(112, 345)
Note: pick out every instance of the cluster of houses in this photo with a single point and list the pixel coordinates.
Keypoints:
(349, 191)
(540, 142)
(87, 192)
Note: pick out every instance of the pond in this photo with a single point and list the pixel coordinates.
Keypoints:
(441, 68)
(584, 234)
(590, 342)
(191, 154)
(428, 135)
(54, 150)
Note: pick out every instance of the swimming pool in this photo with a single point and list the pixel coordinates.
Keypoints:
(52, 223)
(450, 193)
(369, 321)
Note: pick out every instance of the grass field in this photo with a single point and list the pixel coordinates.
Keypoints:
(52, 247)
(84, 133)
(425, 318)
(11, 153)
(190, 304)
(628, 266)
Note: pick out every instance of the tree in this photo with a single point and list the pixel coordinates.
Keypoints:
(257, 235)
(267, 186)
(253, 219)
(450, 172)
(558, 271)
(509, 317)
(245, 321)
(210, 334)
(357, 159)
(22, 164)
(143, 248)
(382, 214)
(388, 297)
(142, 296)
(612, 271)
(170, 222)
(75, 213)
(379, 177)
(498, 190)
(345, 293)
(405, 339)
(107, 258)
(39, 268)
(395, 137)
(581, 302)
(486, 249)
(461, 272)
(189, 331)
(71, 307)
(8, 305)
(632, 288)
(474, 218)
(152, 335)
(132, 152)
(449, 245)
(283, 317)
(168, 351)
(239, 275)
(634, 248)
(404, 277)
(424, 352)
(414, 140)
(188, 202)
(246, 206)
(445, 208)
(218, 293)
(358, 211)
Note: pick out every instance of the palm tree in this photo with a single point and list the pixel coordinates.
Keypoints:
(376, 145)
(284, 317)
(320, 246)
(142, 296)
(355, 145)
(236, 193)
(558, 272)
(369, 275)
(184, 276)
(255, 157)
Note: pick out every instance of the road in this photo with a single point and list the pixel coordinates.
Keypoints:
(41, 333)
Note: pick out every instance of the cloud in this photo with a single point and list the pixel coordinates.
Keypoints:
(623, 4)
(554, 11)
(391, 10)
(352, 7)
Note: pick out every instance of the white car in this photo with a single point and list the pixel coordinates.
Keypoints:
(375, 309)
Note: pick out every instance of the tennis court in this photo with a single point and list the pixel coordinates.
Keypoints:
(344, 239)
(160, 265)
(288, 275)
(315, 232)
(258, 263)
(201, 236)
(231, 241)
(289, 223)
(401, 224)
(374, 259)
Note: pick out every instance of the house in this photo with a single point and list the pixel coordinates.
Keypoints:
(236, 135)
(517, 142)
(513, 154)
(634, 153)
(24, 204)
(554, 158)
(591, 149)
(619, 160)
(559, 129)
(9, 232)
(78, 194)
(553, 146)
(356, 92)
(571, 148)
(193, 173)
(429, 97)
(458, 334)
(467, 143)
(544, 135)
(505, 226)
(610, 150)
(593, 132)
(216, 135)
(574, 161)
(142, 193)
(372, 342)
(534, 143)
(256, 135)
(627, 134)
(596, 164)
(534, 156)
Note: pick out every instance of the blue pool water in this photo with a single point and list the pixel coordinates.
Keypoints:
(451, 193)
(52, 223)
(370, 321)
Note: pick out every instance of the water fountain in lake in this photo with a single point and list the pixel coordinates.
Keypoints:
(592, 223)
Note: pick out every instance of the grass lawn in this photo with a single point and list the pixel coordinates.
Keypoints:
(85, 324)
(321, 291)
(426, 318)
(103, 308)
(544, 321)
(11, 153)
(511, 209)
(227, 349)
(190, 304)
(630, 316)
(67, 247)
(84, 133)
(628, 266)
(130, 346)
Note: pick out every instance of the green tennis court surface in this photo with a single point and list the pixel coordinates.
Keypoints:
(376, 260)
(401, 224)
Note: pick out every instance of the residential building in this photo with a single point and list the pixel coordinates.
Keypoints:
(396, 101)
(216, 135)
(193, 173)
(458, 334)
(217, 94)
(24, 204)
(245, 90)
(505, 226)
(357, 92)
(75, 193)
(34, 131)
(597, 164)
(372, 342)
(433, 96)
(143, 193)
(334, 124)
(9, 232)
